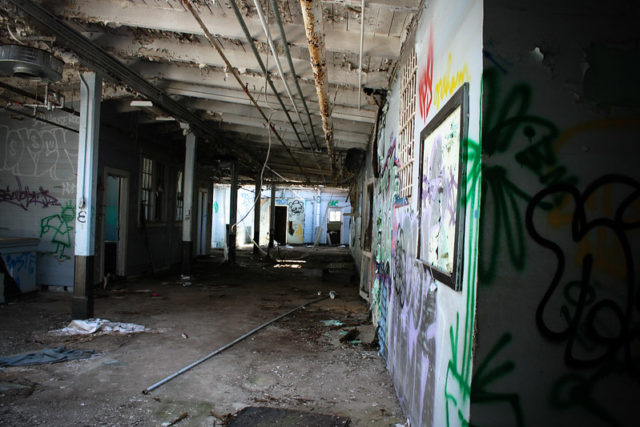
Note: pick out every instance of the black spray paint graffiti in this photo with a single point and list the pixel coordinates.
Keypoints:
(24, 197)
(509, 126)
(599, 324)
(296, 207)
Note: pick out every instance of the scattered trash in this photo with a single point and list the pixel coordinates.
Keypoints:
(332, 322)
(155, 294)
(177, 420)
(48, 355)
(332, 295)
(186, 284)
(355, 342)
(98, 327)
(185, 336)
(350, 336)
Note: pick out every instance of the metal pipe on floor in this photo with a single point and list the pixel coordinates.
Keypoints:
(232, 343)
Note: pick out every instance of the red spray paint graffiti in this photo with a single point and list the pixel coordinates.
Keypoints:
(425, 85)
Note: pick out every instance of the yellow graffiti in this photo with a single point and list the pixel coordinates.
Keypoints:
(299, 231)
(447, 84)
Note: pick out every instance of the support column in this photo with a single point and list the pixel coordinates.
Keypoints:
(256, 215)
(233, 214)
(272, 215)
(187, 200)
(86, 183)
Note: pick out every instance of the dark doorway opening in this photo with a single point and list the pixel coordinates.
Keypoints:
(112, 224)
(281, 225)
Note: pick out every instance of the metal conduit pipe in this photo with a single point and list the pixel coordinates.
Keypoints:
(361, 50)
(283, 37)
(247, 35)
(274, 52)
(315, 39)
(235, 74)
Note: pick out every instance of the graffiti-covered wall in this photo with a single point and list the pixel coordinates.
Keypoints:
(425, 327)
(38, 164)
(558, 306)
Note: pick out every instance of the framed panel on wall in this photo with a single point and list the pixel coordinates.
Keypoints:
(442, 190)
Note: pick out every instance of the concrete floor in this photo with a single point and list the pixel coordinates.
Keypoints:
(296, 363)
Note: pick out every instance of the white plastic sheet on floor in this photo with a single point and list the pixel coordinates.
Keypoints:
(98, 327)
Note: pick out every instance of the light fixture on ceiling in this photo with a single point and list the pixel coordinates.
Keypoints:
(141, 103)
(29, 63)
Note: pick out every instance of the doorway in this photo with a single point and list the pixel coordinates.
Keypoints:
(203, 220)
(116, 194)
(281, 225)
(334, 226)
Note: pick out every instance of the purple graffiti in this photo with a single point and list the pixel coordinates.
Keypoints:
(24, 197)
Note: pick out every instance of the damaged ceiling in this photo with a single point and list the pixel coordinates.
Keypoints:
(193, 59)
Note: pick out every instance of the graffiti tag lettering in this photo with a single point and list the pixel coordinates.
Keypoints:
(23, 197)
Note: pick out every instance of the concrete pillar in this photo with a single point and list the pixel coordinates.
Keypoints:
(272, 215)
(86, 183)
(256, 215)
(187, 197)
(233, 214)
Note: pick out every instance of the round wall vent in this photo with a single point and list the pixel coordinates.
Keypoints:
(29, 63)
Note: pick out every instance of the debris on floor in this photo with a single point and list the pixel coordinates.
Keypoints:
(98, 327)
(262, 416)
(177, 420)
(48, 355)
(350, 336)
(332, 322)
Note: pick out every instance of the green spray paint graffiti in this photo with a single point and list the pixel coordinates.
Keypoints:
(457, 390)
(508, 126)
(486, 375)
(60, 225)
(215, 207)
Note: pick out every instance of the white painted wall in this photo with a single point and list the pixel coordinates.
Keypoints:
(425, 327)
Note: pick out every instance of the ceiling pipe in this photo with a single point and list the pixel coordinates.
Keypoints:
(283, 37)
(274, 52)
(97, 59)
(247, 35)
(312, 13)
(216, 45)
(361, 50)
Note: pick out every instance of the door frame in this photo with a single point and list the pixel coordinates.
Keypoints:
(203, 221)
(123, 221)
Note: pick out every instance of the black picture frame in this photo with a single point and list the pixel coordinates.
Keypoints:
(460, 99)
